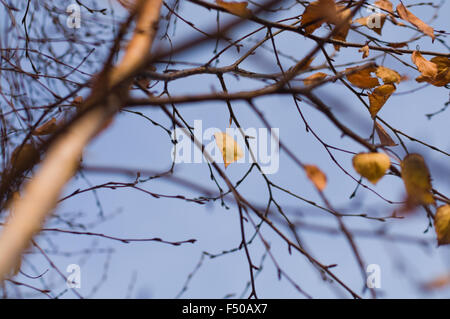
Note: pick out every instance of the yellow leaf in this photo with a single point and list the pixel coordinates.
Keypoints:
(313, 79)
(372, 166)
(407, 15)
(316, 176)
(417, 180)
(362, 78)
(387, 75)
(379, 97)
(365, 51)
(48, 127)
(427, 68)
(442, 224)
(237, 8)
(230, 149)
(385, 138)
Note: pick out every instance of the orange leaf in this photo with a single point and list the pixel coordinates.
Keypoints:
(316, 176)
(385, 138)
(387, 75)
(237, 8)
(406, 15)
(379, 97)
(365, 51)
(362, 78)
(442, 224)
(313, 79)
(427, 68)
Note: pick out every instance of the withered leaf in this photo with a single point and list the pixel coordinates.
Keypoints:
(235, 7)
(365, 51)
(427, 68)
(385, 138)
(417, 180)
(362, 78)
(387, 75)
(379, 97)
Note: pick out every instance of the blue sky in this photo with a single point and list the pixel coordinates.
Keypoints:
(155, 270)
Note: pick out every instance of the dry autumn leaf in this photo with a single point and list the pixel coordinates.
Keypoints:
(230, 149)
(385, 138)
(21, 155)
(379, 97)
(438, 283)
(316, 176)
(48, 127)
(407, 15)
(443, 72)
(374, 22)
(235, 7)
(362, 78)
(372, 166)
(365, 51)
(427, 68)
(313, 79)
(417, 180)
(326, 11)
(387, 75)
(442, 224)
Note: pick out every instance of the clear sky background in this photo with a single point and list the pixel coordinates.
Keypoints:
(156, 270)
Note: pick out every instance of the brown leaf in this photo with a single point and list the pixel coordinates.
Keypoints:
(21, 155)
(397, 45)
(442, 224)
(48, 127)
(316, 13)
(362, 78)
(313, 79)
(406, 15)
(417, 180)
(442, 77)
(372, 166)
(427, 68)
(235, 7)
(387, 75)
(379, 97)
(316, 176)
(438, 283)
(385, 138)
(365, 51)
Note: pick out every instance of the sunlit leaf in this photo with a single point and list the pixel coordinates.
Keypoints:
(362, 78)
(230, 149)
(387, 75)
(365, 51)
(427, 68)
(372, 166)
